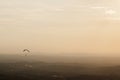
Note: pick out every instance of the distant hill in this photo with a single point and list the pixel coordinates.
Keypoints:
(89, 60)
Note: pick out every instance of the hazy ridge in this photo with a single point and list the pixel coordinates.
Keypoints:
(91, 60)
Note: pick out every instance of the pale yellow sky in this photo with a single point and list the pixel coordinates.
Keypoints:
(60, 26)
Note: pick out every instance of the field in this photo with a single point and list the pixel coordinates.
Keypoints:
(56, 71)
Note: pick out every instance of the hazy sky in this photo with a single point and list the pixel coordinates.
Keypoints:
(60, 26)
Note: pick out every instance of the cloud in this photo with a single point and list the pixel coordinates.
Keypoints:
(98, 7)
(106, 10)
(110, 12)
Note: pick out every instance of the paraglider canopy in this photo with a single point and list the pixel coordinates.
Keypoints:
(26, 51)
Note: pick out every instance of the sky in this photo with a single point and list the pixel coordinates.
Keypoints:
(60, 26)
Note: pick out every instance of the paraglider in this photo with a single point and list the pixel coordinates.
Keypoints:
(26, 51)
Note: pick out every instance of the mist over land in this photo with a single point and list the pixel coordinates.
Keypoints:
(59, 58)
(54, 67)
